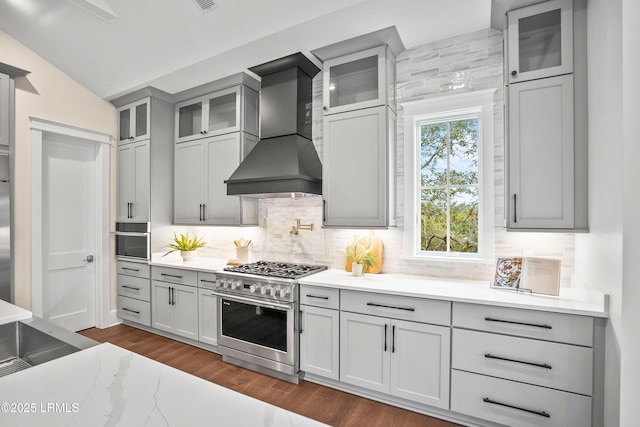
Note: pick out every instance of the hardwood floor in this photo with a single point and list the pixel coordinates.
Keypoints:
(321, 403)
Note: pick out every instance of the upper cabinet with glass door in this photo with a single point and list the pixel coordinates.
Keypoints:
(359, 80)
(134, 121)
(540, 41)
(230, 110)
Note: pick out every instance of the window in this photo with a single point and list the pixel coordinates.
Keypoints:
(448, 179)
(449, 176)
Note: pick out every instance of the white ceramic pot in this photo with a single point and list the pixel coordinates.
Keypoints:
(356, 269)
(188, 255)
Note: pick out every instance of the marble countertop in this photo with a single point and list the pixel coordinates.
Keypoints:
(108, 385)
(11, 313)
(210, 265)
(570, 300)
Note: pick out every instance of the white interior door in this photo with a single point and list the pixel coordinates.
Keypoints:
(69, 236)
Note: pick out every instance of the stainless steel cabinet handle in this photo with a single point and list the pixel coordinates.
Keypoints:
(324, 211)
(535, 325)
(204, 212)
(129, 310)
(373, 304)
(170, 294)
(171, 275)
(515, 215)
(531, 411)
(131, 269)
(131, 287)
(385, 336)
(316, 296)
(393, 339)
(506, 359)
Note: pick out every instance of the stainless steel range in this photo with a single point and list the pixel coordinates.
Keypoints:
(257, 316)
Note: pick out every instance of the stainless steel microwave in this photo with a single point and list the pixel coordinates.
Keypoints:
(133, 241)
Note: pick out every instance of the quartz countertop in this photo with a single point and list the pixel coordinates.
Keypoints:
(108, 385)
(11, 313)
(571, 300)
(210, 265)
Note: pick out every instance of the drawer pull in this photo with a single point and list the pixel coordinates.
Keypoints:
(316, 296)
(131, 269)
(539, 365)
(531, 411)
(131, 287)
(171, 275)
(535, 325)
(373, 304)
(129, 310)
(208, 281)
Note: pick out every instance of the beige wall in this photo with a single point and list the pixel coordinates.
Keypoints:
(47, 93)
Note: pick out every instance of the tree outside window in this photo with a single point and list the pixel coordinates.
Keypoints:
(449, 182)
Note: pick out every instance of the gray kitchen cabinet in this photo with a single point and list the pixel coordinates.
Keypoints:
(541, 154)
(386, 345)
(207, 309)
(6, 105)
(228, 110)
(358, 168)
(134, 292)
(175, 308)
(134, 121)
(320, 331)
(201, 167)
(522, 367)
(134, 182)
(540, 41)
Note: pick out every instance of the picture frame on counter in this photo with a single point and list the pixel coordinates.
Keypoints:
(536, 275)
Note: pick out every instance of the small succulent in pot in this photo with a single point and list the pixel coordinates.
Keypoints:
(186, 245)
(362, 256)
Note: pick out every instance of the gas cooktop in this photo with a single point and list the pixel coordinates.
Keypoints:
(276, 269)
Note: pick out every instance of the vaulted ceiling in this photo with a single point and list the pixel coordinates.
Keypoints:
(115, 46)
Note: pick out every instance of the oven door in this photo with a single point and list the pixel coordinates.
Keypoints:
(132, 241)
(256, 327)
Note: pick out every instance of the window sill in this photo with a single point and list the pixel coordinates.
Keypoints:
(447, 259)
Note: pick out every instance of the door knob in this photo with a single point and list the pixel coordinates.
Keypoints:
(89, 258)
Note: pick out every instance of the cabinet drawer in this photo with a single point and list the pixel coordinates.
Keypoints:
(560, 366)
(134, 310)
(320, 297)
(134, 287)
(175, 275)
(206, 280)
(542, 325)
(517, 404)
(133, 269)
(397, 307)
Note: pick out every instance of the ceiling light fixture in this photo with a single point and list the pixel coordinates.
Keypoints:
(206, 5)
(98, 8)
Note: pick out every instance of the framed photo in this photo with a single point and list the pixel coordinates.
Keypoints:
(508, 273)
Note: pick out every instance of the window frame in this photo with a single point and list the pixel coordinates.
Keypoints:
(448, 108)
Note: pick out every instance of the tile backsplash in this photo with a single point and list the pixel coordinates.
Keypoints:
(464, 63)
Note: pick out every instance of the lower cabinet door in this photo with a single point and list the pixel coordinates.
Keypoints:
(365, 350)
(420, 362)
(185, 311)
(161, 308)
(207, 317)
(319, 342)
(517, 404)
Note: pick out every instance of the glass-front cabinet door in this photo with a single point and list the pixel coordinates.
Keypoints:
(355, 81)
(214, 114)
(134, 121)
(540, 39)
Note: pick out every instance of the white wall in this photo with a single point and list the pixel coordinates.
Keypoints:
(599, 253)
(46, 93)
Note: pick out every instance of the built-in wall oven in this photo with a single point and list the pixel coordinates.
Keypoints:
(133, 241)
(257, 316)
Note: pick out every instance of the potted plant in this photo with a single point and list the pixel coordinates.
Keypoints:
(362, 258)
(186, 245)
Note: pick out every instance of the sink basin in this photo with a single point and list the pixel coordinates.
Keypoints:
(31, 342)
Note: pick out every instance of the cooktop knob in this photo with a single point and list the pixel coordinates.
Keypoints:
(264, 290)
(283, 292)
(219, 283)
(235, 284)
(253, 289)
(273, 292)
(225, 283)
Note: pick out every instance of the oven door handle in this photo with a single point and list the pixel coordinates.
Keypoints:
(266, 304)
(131, 234)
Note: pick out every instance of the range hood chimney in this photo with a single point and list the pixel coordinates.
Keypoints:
(284, 162)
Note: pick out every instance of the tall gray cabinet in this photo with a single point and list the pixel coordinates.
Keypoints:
(545, 70)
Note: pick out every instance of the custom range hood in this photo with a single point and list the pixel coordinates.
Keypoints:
(284, 162)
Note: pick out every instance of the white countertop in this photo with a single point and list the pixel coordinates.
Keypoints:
(572, 301)
(11, 313)
(210, 265)
(108, 385)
